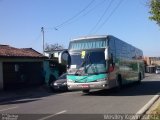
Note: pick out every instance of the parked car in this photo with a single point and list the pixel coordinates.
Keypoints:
(61, 83)
(158, 71)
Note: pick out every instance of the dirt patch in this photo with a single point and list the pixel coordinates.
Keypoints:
(154, 111)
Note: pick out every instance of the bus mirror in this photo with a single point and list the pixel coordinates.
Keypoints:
(106, 54)
(64, 58)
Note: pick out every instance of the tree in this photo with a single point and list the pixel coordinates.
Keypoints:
(155, 11)
(51, 47)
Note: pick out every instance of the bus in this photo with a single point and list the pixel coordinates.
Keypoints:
(101, 62)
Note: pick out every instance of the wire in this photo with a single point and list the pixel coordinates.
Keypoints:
(91, 10)
(38, 36)
(104, 13)
(68, 20)
(94, 7)
(36, 42)
(120, 2)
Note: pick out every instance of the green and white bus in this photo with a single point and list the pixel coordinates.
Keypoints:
(101, 62)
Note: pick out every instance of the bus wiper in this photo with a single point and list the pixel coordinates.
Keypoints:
(90, 64)
(84, 61)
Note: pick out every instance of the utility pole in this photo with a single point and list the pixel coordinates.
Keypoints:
(42, 30)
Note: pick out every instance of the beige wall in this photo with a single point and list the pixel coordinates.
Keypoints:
(152, 60)
(155, 62)
(1, 75)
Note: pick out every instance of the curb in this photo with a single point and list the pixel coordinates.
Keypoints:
(147, 106)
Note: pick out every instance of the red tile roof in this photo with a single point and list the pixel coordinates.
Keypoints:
(8, 51)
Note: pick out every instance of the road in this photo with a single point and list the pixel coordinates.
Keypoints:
(47, 106)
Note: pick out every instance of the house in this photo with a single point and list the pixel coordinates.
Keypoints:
(53, 73)
(20, 67)
(152, 63)
(53, 53)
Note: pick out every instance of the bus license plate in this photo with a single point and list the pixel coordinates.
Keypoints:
(85, 86)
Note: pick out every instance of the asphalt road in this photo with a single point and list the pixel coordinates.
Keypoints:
(48, 106)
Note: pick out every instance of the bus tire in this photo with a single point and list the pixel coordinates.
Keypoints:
(139, 77)
(85, 91)
(119, 82)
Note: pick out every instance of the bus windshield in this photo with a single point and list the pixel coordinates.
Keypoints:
(93, 63)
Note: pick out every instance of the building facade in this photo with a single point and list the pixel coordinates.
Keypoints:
(20, 67)
(152, 63)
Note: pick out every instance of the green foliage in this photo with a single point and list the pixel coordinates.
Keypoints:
(155, 11)
(52, 47)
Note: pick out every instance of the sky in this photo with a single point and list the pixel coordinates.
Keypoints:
(63, 20)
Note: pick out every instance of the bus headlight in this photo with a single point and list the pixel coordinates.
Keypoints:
(55, 84)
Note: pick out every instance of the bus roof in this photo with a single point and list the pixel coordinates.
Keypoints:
(89, 37)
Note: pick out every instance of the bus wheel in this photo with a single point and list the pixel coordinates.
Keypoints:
(85, 91)
(139, 78)
(119, 82)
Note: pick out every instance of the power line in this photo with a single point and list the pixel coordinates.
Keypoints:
(68, 20)
(35, 41)
(38, 36)
(113, 11)
(97, 5)
(104, 13)
(93, 8)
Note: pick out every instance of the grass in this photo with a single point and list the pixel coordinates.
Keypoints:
(155, 114)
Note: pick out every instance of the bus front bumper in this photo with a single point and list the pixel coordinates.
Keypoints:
(86, 86)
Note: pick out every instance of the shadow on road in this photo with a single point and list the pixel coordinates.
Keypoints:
(36, 94)
(25, 95)
(18, 101)
(145, 88)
